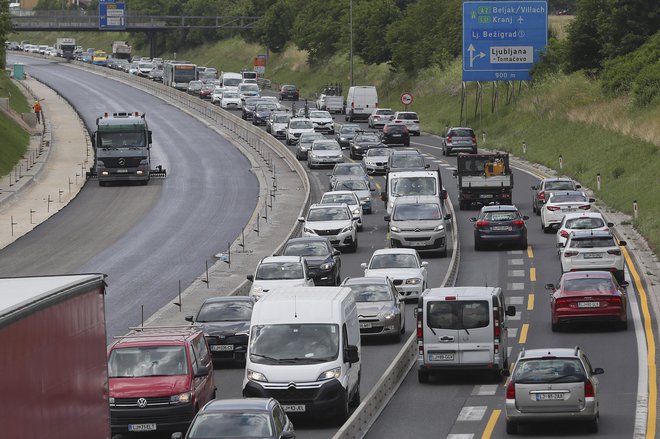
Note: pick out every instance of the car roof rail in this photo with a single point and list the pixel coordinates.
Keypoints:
(577, 349)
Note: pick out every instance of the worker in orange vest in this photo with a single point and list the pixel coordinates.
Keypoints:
(37, 110)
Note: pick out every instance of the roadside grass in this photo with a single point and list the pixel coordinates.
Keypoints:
(17, 101)
(14, 144)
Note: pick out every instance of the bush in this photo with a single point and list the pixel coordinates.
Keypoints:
(620, 73)
(647, 85)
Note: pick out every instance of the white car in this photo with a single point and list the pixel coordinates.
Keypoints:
(274, 100)
(296, 127)
(593, 250)
(580, 221)
(216, 96)
(334, 221)
(324, 152)
(279, 271)
(347, 197)
(403, 266)
(409, 119)
(375, 160)
(561, 203)
(322, 121)
(248, 90)
(230, 100)
(380, 117)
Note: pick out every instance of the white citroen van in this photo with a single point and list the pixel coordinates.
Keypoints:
(462, 328)
(304, 351)
(362, 100)
(422, 185)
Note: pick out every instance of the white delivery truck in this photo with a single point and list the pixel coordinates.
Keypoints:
(418, 185)
(304, 351)
(362, 100)
(231, 80)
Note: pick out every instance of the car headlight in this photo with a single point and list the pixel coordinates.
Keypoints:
(339, 156)
(440, 228)
(330, 374)
(347, 229)
(356, 211)
(365, 199)
(257, 290)
(395, 229)
(343, 139)
(308, 230)
(326, 266)
(253, 375)
(413, 281)
(315, 156)
(181, 398)
(387, 315)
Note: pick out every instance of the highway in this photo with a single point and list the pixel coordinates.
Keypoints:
(119, 230)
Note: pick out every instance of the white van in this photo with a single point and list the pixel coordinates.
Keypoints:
(462, 328)
(231, 80)
(247, 74)
(304, 351)
(420, 185)
(362, 100)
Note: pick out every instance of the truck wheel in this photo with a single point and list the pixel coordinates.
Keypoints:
(511, 427)
(423, 376)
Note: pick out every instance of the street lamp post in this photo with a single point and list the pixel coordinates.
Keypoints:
(350, 8)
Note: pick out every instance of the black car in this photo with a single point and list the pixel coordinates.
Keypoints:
(362, 143)
(249, 104)
(289, 92)
(194, 87)
(245, 417)
(345, 134)
(156, 75)
(500, 224)
(226, 324)
(395, 134)
(262, 112)
(323, 261)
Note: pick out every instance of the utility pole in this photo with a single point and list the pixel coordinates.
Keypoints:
(351, 39)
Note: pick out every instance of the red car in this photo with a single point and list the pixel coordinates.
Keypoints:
(588, 296)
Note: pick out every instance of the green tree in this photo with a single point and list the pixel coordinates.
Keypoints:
(320, 28)
(627, 25)
(274, 30)
(371, 18)
(584, 51)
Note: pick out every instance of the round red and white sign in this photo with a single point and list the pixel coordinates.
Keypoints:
(406, 98)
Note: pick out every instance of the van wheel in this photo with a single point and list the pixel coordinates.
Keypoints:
(342, 410)
(423, 376)
(511, 427)
(356, 399)
(592, 426)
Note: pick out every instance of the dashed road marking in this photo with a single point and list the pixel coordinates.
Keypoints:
(484, 390)
(512, 332)
(443, 164)
(516, 300)
(516, 262)
(532, 274)
(530, 252)
(451, 168)
(515, 252)
(488, 431)
(523, 333)
(460, 436)
(516, 273)
(530, 302)
(515, 286)
(472, 413)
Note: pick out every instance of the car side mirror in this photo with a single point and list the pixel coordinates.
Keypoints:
(511, 310)
(443, 194)
(525, 217)
(454, 173)
(598, 371)
(177, 435)
(387, 218)
(624, 284)
(592, 200)
(189, 318)
(427, 165)
(351, 354)
(578, 186)
(363, 265)
(336, 252)
(610, 224)
(150, 139)
(473, 220)
(94, 138)
(288, 435)
(534, 188)
(550, 287)
(622, 243)
(561, 244)
(447, 217)
(425, 263)
(383, 196)
(250, 277)
(201, 371)
(301, 219)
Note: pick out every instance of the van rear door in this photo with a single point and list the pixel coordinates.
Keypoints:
(441, 336)
(476, 334)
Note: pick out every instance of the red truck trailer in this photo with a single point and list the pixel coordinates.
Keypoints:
(53, 364)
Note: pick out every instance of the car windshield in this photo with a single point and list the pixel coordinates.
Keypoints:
(407, 116)
(349, 130)
(279, 271)
(282, 119)
(395, 128)
(559, 185)
(328, 214)
(508, 215)
(311, 248)
(266, 107)
(378, 152)
(413, 186)
(592, 242)
(588, 284)
(339, 198)
(351, 185)
(231, 82)
(320, 114)
(416, 212)
(408, 161)
(229, 95)
(556, 198)
(367, 138)
(145, 361)
(225, 311)
(463, 314)
(549, 370)
(393, 260)
(325, 146)
(461, 133)
(289, 88)
(121, 140)
(301, 124)
(311, 137)
(294, 343)
(371, 292)
(348, 170)
(230, 424)
(384, 112)
(584, 223)
(195, 84)
(248, 87)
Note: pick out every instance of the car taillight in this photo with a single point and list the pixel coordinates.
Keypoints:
(511, 390)
(483, 223)
(541, 195)
(615, 300)
(420, 332)
(586, 207)
(396, 121)
(561, 302)
(553, 208)
(563, 234)
(570, 254)
(588, 389)
(449, 139)
(474, 139)
(616, 252)
(352, 104)
(518, 222)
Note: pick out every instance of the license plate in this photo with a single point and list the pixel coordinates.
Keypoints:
(502, 228)
(141, 427)
(296, 408)
(122, 171)
(593, 255)
(549, 396)
(396, 135)
(486, 196)
(441, 357)
(588, 304)
(222, 347)
(365, 325)
(569, 210)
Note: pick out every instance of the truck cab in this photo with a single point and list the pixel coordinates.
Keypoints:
(483, 179)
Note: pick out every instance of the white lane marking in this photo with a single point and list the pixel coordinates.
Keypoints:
(515, 286)
(516, 273)
(512, 332)
(451, 168)
(484, 390)
(516, 300)
(508, 351)
(516, 317)
(444, 164)
(460, 436)
(471, 413)
(641, 412)
(515, 252)
(516, 262)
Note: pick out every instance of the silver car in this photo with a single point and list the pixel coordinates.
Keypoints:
(347, 171)
(324, 153)
(379, 117)
(361, 188)
(305, 144)
(334, 221)
(459, 139)
(552, 385)
(375, 160)
(419, 224)
(380, 311)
